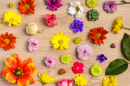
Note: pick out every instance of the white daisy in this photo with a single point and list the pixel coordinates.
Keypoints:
(76, 9)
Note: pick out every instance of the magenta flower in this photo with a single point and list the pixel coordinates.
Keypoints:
(84, 52)
(49, 61)
(78, 67)
(110, 6)
(53, 4)
(33, 44)
(65, 82)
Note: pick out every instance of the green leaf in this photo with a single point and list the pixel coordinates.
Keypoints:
(126, 46)
(117, 67)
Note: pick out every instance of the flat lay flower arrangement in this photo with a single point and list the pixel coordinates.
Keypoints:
(63, 56)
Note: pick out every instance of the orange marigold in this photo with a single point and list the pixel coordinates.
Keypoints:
(26, 6)
(7, 41)
(97, 35)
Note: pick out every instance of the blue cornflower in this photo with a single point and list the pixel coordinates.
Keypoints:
(101, 58)
(77, 26)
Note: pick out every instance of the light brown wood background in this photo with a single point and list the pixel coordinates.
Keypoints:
(65, 20)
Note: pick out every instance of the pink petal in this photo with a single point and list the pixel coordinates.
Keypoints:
(80, 70)
(81, 65)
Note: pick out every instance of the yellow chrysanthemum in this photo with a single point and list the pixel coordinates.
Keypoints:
(11, 18)
(80, 80)
(117, 25)
(45, 78)
(60, 41)
(109, 81)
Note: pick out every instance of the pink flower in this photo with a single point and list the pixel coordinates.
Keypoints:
(84, 52)
(33, 44)
(51, 20)
(49, 61)
(78, 67)
(65, 82)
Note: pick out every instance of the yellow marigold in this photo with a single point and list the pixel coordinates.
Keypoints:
(12, 18)
(109, 81)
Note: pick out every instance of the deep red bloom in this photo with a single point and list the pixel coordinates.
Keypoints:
(78, 67)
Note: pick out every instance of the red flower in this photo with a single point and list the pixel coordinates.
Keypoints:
(78, 67)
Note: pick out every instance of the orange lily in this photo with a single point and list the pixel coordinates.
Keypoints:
(17, 71)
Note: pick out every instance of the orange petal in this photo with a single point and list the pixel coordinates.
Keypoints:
(5, 71)
(22, 81)
(30, 78)
(10, 77)
(30, 69)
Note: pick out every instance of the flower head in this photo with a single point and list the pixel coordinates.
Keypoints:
(62, 71)
(109, 81)
(17, 71)
(12, 18)
(113, 45)
(45, 78)
(33, 44)
(60, 41)
(76, 9)
(97, 35)
(27, 6)
(53, 4)
(51, 20)
(65, 59)
(92, 15)
(92, 3)
(117, 24)
(77, 26)
(80, 80)
(11, 5)
(96, 70)
(49, 61)
(78, 67)
(66, 82)
(77, 40)
(101, 58)
(7, 41)
(110, 6)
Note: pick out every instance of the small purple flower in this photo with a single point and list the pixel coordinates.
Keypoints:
(49, 61)
(77, 26)
(53, 4)
(110, 6)
(101, 58)
(33, 44)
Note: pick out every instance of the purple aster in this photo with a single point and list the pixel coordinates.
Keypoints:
(49, 61)
(77, 26)
(33, 44)
(53, 4)
(110, 6)
(101, 58)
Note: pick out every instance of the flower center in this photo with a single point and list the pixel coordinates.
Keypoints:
(18, 72)
(53, 1)
(60, 42)
(11, 19)
(7, 41)
(98, 35)
(85, 51)
(77, 25)
(102, 57)
(33, 44)
(49, 61)
(77, 9)
(27, 6)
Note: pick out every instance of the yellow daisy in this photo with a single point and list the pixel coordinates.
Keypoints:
(60, 41)
(12, 18)
(109, 81)
(80, 80)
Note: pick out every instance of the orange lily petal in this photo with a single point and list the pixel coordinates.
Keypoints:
(30, 78)
(5, 71)
(22, 81)
(10, 77)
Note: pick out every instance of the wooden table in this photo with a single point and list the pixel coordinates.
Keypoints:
(65, 20)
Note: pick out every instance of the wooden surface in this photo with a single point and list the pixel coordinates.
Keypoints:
(65, 21)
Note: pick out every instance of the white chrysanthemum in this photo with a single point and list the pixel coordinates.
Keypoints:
(76, 9)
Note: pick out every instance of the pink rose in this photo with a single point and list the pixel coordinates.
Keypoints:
(51, 20)
(65, 82)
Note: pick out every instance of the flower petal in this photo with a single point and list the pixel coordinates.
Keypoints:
(80, 70)
(5, 71)
(30, 78)
(75, 70)
(71, 10)
(79, 15)
(81, 65)
(10, 77)
(22, 81)
(76, 64)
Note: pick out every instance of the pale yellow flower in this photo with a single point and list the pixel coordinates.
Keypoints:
(109, 81)
(11, 5)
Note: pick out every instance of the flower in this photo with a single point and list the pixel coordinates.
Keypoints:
(26, 6)
(77, 26)
(65, 82)
(109, 81)
(17, 71)
(65, 59)
(78, 67)
(76, 9)
(113, 45)
(110, 6)
(62, 71)
(80, 80)
(33, 44)
(45, 78)
(7, 41)
(77, 40)
(101, 58)
(92, 3)
(51, 20)
(12, 18)
(49, 61)
(92, 15)
(97, 35)
(60, 41)
(11, 5)
(84, 52)
(96, 70)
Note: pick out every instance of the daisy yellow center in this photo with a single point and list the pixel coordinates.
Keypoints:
(98, 35)
(77, 9)
(18, 72)
(27, 6)
(7, 41)
(60, 41)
